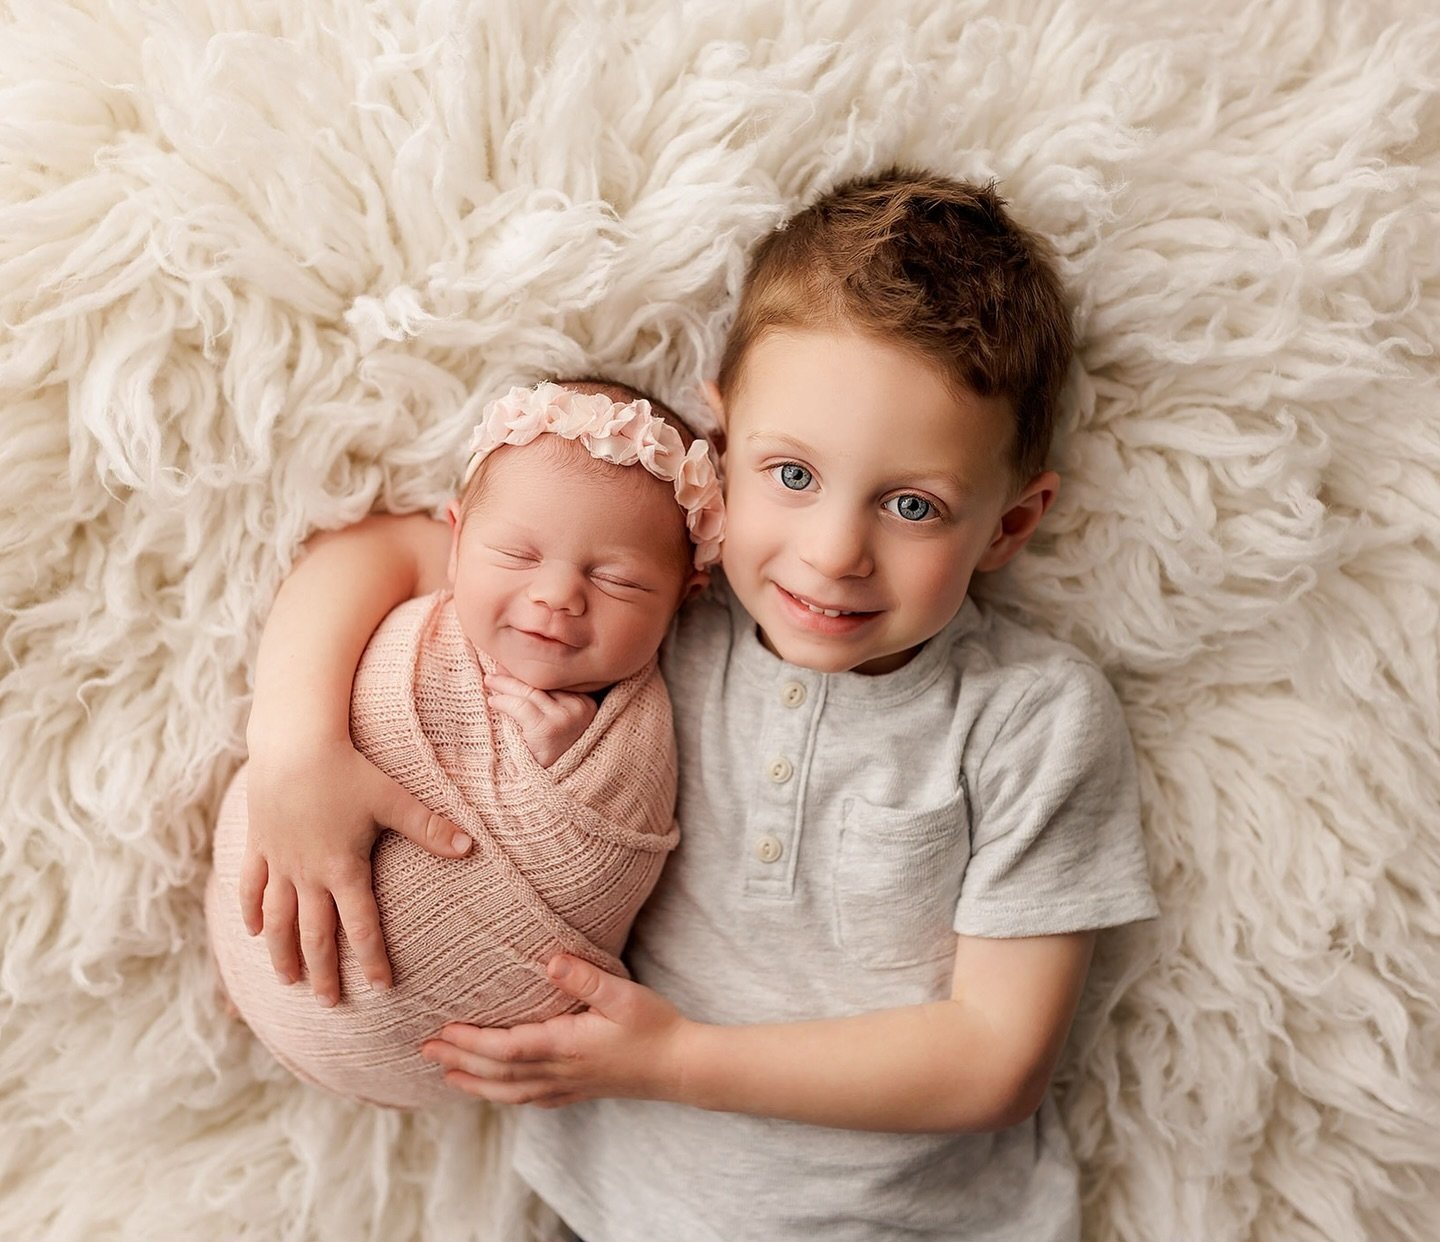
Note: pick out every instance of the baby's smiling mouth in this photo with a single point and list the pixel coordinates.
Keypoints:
(545, 638)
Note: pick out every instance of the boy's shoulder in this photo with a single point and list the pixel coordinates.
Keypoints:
(1012, 644)
(710, 607)
(1006, 661)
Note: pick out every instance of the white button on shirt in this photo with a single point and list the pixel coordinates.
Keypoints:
(780, 769)
(792, 693)
(768, 849)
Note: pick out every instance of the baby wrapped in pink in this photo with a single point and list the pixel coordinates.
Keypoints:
(563, 859)
(567, 576)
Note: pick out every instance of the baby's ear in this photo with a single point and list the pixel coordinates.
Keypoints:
(699, 580)
(452, 515)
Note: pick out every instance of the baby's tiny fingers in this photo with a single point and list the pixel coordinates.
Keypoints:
(506, 684)
(522, 711)
(576, 706)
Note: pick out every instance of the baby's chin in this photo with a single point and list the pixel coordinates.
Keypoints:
(549, 678)
(571, 687)
(567, 672)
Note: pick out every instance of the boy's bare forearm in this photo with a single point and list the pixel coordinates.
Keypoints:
(924, 1068)
(323, 616)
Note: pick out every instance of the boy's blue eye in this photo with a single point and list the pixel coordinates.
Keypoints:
(911, 508)
(796, 478)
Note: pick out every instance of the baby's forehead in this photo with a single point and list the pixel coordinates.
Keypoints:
(553, 461)
(552, 492)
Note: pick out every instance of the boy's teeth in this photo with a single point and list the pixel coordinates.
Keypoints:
(826, 612)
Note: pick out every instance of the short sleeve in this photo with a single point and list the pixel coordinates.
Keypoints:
(1056, 844)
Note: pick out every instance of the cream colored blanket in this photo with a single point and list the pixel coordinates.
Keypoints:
(563, 859)
(256, 257)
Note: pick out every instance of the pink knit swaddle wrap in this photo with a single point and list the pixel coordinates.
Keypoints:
(563, 859)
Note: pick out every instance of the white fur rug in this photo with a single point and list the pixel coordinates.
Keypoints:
(254, 254)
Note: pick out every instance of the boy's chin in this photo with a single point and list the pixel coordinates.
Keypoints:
(823, 657)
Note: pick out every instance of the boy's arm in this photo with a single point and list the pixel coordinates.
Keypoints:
(979, 1061)
(314, 801)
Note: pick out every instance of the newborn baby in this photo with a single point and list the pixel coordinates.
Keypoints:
(582, 525)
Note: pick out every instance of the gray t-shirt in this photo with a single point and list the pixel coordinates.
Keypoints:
(837, 830)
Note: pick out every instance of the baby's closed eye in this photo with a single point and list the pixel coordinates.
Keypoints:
(518, 556)
(607, 579)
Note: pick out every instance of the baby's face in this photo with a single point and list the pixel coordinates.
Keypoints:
(568, 570)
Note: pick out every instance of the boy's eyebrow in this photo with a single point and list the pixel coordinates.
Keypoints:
(779, 438)
(946, 478)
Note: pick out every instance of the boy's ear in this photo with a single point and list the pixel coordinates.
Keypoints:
(1019, 521)
(452, 515)
(716, 403)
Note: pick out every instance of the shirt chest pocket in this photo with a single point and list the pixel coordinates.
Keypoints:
(897, 880)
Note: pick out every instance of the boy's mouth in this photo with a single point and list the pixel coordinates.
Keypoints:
(826, 609)
(823, 616)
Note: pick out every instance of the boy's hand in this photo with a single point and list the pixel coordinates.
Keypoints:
(628, 1044)
(551, 721)
(314, 815)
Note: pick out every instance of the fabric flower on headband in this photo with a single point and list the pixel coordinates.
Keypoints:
(623, 434)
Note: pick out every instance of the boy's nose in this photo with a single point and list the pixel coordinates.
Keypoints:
(560, 588)
(837, 545)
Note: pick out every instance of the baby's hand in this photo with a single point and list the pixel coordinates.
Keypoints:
(551, 721)
(315, 811)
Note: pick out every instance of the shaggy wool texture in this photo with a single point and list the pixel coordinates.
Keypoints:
(253, 257)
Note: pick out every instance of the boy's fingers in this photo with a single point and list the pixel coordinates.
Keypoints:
(450, 1057)
(281, 912)
(360, 917)
(537, 1093)
(412, 819)
(254, 872)
(317, 943)
(604, 993)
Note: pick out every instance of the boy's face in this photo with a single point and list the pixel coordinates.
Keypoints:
(856, 483)
(567, 574)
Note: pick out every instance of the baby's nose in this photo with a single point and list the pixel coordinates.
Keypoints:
(559, 587)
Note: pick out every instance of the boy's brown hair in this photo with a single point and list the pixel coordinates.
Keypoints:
(930, 264)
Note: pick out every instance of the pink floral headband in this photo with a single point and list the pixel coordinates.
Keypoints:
(626, 435)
